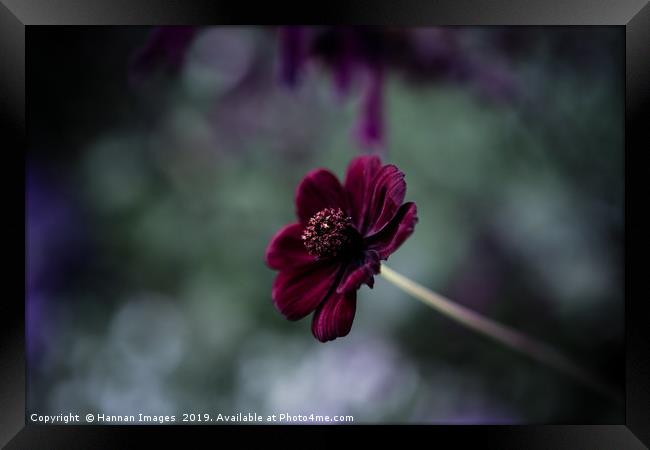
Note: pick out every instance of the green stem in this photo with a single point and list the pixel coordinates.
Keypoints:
(500, 333)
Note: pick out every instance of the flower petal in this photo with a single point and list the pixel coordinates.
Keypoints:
(362, 274)
(319, 189)
(298, 292)
(286, 249)
(389, 238)
(388, 191)
(335, 316)
(358, 179)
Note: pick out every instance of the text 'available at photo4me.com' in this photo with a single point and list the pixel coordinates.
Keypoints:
(198, 418)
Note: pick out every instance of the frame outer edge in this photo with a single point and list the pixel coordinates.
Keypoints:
(447, 12)
(12, 49)
(637, 135)
(12, 123)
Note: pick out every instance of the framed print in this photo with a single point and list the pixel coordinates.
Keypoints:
(323, 221)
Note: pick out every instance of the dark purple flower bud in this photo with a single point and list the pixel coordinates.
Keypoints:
(344, 58)
(293, 53)
(370, 127)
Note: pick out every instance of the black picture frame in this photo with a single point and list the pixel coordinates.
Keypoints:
(16, 16)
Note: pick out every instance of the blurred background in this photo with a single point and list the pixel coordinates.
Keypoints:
(153, 192)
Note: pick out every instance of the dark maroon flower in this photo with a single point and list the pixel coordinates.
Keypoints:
(342, 234)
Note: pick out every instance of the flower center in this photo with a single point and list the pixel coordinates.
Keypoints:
(328, 232)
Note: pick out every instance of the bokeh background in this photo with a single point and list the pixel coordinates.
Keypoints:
(149, 206)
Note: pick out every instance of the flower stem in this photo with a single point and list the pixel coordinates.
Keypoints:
(501, 333)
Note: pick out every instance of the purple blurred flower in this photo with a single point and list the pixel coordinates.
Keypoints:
(353, 55)
(50, 237)
(165, 48)
(54, 250)
(361, 56)
(442, 54)
(358, 59)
